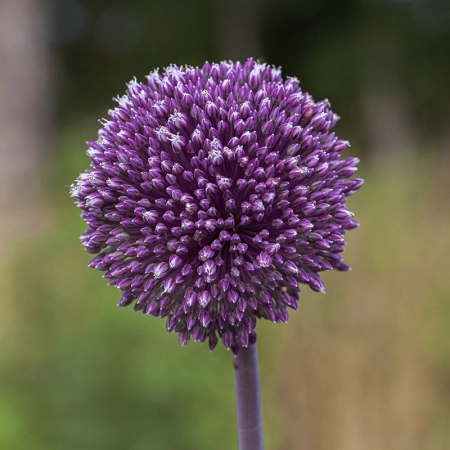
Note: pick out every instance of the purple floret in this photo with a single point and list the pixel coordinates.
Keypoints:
(212, 193)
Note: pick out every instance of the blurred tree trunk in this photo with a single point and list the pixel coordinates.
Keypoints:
(24, 115)
(388, 128)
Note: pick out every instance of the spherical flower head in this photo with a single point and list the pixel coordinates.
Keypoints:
(212, 193)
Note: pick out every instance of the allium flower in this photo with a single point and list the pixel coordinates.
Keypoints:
(212, 193)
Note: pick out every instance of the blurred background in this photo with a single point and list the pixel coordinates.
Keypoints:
(365, 367)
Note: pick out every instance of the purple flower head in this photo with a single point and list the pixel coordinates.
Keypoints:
(212, 193)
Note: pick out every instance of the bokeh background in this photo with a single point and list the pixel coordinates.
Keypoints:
(364, 367)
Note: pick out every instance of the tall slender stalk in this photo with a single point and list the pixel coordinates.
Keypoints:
(248, 403)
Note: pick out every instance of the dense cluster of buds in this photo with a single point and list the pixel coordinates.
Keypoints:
(212, 193)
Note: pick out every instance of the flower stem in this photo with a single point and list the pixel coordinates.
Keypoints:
(248, 403)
